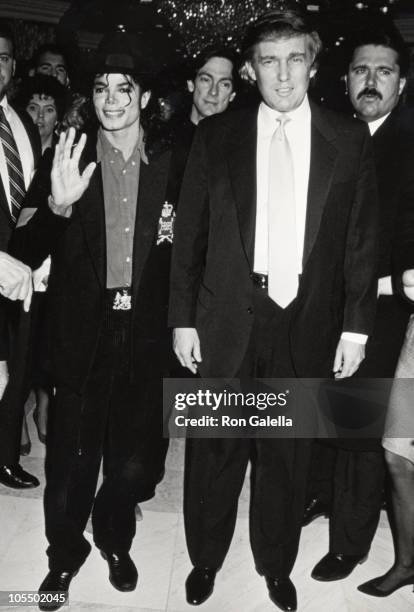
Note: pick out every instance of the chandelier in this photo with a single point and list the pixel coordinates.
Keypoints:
(201, 23)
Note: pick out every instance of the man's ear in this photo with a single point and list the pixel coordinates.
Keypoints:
(31, 72)
(190, 86)
(232, 96)
(145, 98)
(313, 71)
(403, 82)
(14, 67)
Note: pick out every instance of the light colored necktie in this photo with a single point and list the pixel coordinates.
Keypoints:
(282, 249)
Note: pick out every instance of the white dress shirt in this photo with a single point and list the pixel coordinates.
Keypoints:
(374, 125)
(298, 134)
(23, 146)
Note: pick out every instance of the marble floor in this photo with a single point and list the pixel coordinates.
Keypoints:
(160, 554)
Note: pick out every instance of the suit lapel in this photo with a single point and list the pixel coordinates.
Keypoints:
(322, 164)
(4, 207)
(151, 195)
(34, 139)
(242, 167)
(91, 211)
(385, 138)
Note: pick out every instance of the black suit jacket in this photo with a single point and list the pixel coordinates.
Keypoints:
(211, 287)
(75, 296)
(7, 225)
(394, 162)
(14, 332)
(403, 252)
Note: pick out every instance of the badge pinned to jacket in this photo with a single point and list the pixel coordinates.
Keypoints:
(166, 224)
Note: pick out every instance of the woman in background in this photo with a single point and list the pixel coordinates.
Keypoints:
(399, 455)
(45, 100)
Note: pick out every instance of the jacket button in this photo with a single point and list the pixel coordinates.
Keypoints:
(250, 310)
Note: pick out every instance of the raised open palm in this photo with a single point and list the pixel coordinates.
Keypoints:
(68, 185)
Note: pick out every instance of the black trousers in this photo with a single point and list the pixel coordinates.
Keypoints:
(349, 475)
(15, 395)
(215, 469)
(113, 419)
(351, 482)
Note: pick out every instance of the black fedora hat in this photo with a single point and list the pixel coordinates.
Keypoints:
(121, 52)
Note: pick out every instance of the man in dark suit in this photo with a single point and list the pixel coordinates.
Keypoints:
(238, 310)
(19, 153)
(212, 86)
(50, 59)
(353, 474)
(109, 233)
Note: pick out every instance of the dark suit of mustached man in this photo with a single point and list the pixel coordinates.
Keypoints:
(350, 484)
(107, 310)
(286, 174)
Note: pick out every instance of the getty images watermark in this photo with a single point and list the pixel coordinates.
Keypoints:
(225, 403)
(289, 408)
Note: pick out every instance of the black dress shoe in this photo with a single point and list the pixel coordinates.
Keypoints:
(199, 584)
(123, 574)
(336, 566)
(315, 508)
(282, 592)
(15, 477)
(56, 584)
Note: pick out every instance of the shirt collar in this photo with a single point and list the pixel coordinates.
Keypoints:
(300, 115)
(104, 148)
(374, 125)
(5, 105)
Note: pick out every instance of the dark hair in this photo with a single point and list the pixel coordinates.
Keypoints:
(141, 80)
(50, 48)
(384, 35)
(43, 85)
(7, 33)
(207, 54)
(280, 24)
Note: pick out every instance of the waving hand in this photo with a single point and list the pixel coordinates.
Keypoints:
(68, 185)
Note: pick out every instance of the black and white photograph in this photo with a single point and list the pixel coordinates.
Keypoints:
(207, 305)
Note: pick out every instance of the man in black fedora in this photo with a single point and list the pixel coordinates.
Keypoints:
(108, 339)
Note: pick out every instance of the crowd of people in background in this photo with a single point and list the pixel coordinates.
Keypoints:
(128, 199)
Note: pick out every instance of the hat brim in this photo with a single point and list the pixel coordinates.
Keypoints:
(118, 64)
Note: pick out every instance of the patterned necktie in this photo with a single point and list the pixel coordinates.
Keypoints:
(14, 166)
(282, 249)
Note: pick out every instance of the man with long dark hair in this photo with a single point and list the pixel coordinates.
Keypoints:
(106, 313)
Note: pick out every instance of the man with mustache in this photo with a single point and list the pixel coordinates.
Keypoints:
(353, 490)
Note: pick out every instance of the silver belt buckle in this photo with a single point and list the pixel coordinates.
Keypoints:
(122, 301)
